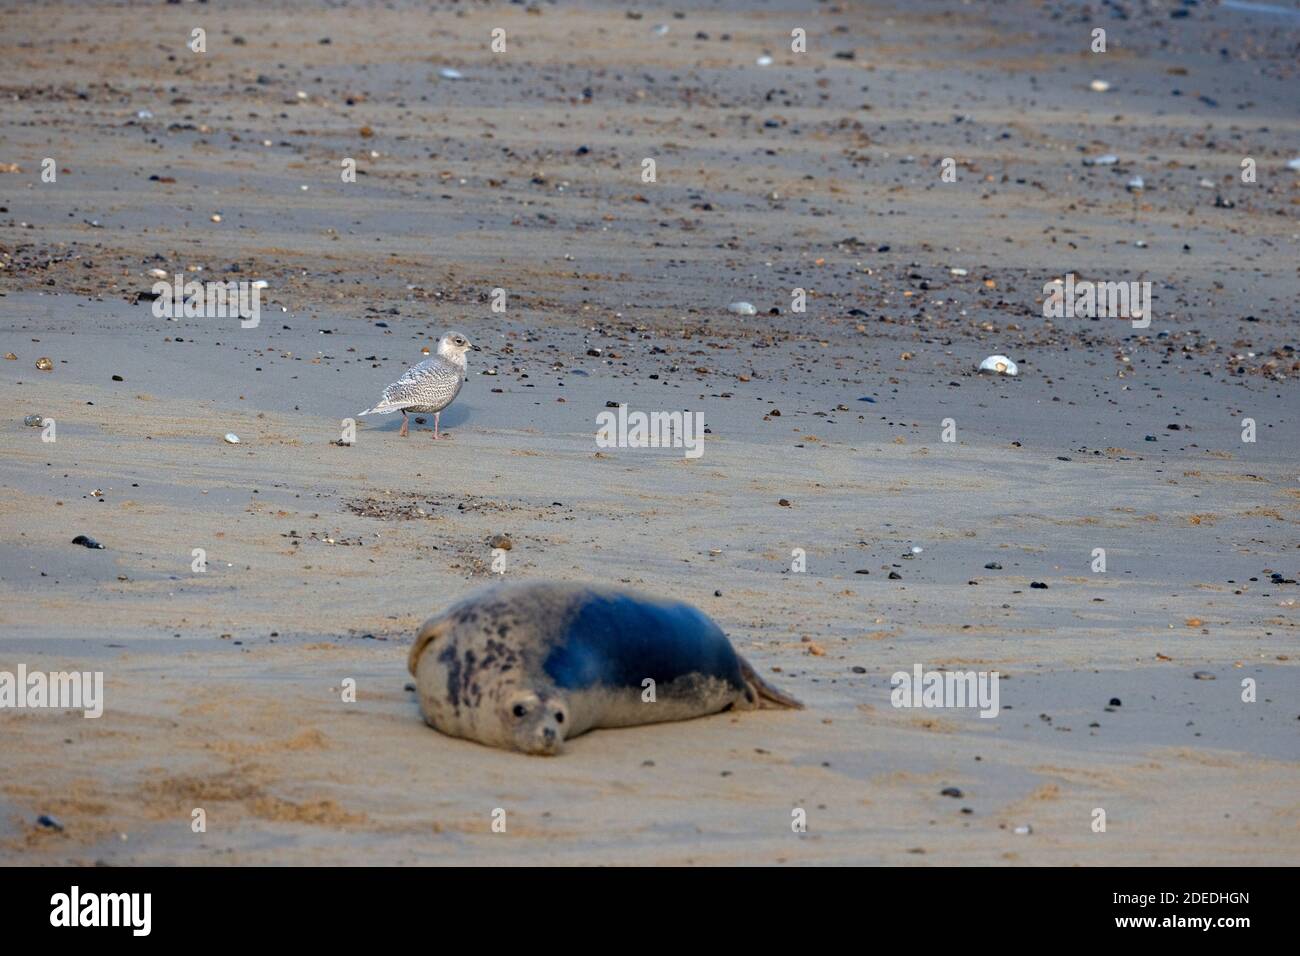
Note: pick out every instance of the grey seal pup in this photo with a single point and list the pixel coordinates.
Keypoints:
(528, 666)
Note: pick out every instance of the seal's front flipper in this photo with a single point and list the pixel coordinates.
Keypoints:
(768, 696)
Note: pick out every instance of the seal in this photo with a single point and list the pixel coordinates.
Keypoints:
(528, 666)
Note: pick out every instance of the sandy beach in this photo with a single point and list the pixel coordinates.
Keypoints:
(1123, 690)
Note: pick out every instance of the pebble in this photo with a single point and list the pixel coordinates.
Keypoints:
(1114, 702)
(1136, 185)
(993, 566)
(742, 308)
(1294, 164)
(950, 792)
(1024, 830)
(232, 438)
(501, 541)
(1203, 675)
(764, 61)
(86, 542)
(1000, 365)
(447, 73)
(1099, 86)
(1038, 584)
(1109, 159)
(11, 357)
(49, 823)
(33, 421)
(44, 364)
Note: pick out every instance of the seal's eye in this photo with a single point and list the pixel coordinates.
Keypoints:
(559, 716)
(520, 710)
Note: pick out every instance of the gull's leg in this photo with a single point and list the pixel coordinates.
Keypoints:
(436, 416)
(404, 424)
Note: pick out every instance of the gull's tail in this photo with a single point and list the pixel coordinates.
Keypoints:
(381, 409)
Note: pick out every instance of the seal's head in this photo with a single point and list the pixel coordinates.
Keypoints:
(536, 722)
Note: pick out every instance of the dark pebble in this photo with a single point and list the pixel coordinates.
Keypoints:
(85, 542)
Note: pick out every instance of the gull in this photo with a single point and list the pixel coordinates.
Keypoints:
(430, 386)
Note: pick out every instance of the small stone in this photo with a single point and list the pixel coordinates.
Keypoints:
(86, 542)
(950, 792)
(11, 357)
(1038, 584)
(992, 566)
(999, 365)
(49, 823)
(742, 308)
(895, 576)
(44, 364)
(33, 421)
(1023, 830)
(1203, 675)
(231, 438)
(501, 541)
(1114, 702)
(784, 502)
(118, 378)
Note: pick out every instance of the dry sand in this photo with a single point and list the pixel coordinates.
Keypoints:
(820, 172)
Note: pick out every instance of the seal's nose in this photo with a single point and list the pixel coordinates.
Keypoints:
(549, 734)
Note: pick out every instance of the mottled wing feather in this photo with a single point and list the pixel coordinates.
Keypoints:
(432, 383)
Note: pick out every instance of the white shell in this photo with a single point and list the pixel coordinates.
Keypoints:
(742, 308)
(232, 438)
(1108, 159)
(1294, 164)
(447, 73)
(764, 60)
(999, 365)
(1099, 86)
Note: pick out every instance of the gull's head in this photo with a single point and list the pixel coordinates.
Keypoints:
(453, 347)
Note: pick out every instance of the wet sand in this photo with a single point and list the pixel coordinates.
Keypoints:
(819, 172)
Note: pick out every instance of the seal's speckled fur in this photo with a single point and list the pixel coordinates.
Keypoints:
(527, 666)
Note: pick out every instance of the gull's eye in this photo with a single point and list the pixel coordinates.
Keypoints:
(520, 710)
